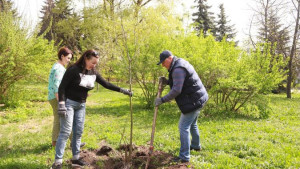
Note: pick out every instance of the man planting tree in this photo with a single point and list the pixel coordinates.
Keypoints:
(190, 95)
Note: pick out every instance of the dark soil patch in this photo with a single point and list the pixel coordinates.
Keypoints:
(108, 158)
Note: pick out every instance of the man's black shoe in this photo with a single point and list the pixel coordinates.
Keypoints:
(179, 160)
(196, 149)
(56, 166)
(79, 162)
(82, 144)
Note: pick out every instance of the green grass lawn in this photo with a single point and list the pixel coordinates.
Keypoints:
(25, 132)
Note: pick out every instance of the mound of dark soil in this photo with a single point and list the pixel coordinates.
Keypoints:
(108, 158)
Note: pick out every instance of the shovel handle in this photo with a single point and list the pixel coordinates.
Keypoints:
(160, 89)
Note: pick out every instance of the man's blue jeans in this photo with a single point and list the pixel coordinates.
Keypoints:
(74, 119)
(187, 125)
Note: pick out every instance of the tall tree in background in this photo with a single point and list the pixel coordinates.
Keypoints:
(296, 4)
(271, 30)
(100, 31)
(204, 20)
(278, 35)
(67, 27)
(61, 24)
(61, 19)
(222, 28)
(138, 5)
(47, 18)
(7, 6)
(111, 34)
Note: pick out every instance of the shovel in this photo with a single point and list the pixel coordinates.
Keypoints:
(160, 89)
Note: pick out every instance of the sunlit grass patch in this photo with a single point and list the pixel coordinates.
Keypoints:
(227, 141)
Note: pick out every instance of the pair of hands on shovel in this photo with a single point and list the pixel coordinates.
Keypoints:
(164, 82)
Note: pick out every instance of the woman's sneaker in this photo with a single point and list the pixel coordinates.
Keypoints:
(82, 144)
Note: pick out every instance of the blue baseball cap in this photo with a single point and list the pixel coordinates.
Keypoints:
(163, 56)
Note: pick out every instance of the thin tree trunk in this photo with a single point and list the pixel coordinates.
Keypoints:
(290, 73)
(128, 159)
(266, 20)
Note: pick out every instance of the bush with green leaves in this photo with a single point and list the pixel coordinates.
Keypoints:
(21, 56)
(233, 77)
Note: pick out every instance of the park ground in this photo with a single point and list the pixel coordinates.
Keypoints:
(228, 141)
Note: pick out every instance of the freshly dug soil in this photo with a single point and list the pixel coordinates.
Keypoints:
(108, 158)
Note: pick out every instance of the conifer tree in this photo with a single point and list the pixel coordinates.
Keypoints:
(204, 20)
(273, 32)
(7, 6)
(61, 24)
(47, 18)
(67, 25)
(223, 29)
(62, 9)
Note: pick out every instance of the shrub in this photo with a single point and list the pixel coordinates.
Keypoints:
(21, 56)
(234, 79)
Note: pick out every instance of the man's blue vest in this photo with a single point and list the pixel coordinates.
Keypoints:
(193, 94)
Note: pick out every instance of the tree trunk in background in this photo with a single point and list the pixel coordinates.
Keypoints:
(290, 70)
